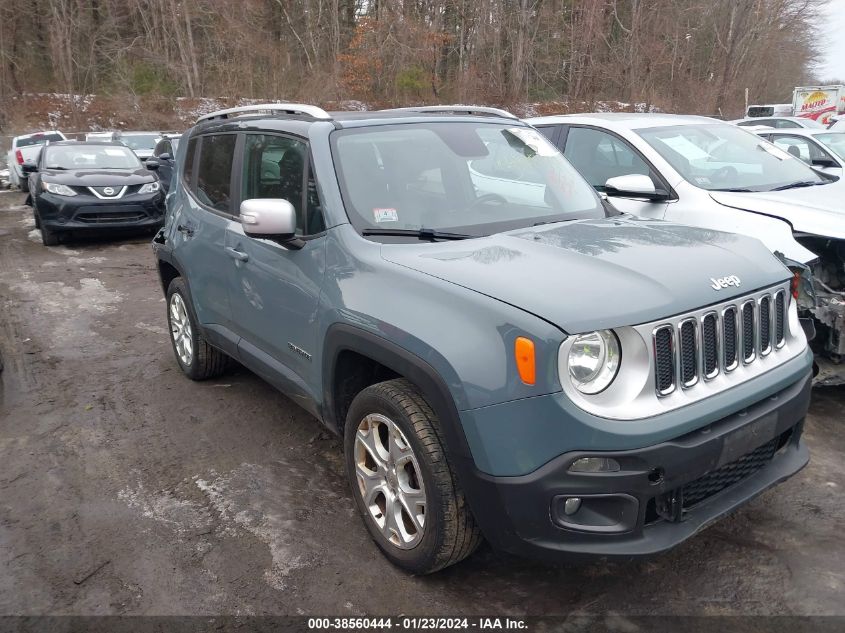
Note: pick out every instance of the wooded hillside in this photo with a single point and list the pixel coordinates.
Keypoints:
(680, 55)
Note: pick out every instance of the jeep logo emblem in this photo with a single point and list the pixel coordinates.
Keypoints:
(108, 191)
(724, 282)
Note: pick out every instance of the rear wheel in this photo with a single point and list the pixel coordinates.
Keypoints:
(198, 359)
(24, 182)
(403, 486)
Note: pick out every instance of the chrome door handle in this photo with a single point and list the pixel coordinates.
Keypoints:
(236, 254)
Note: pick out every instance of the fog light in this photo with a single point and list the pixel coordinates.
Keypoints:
(571, 506)
(594, 465)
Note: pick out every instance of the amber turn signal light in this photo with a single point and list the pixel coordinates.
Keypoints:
(525, 361)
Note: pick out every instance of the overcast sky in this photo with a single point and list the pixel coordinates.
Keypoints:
(832, 61)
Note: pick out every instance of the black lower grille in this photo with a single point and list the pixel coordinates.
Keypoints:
(715, 481)
(111, 214)
(710, 345)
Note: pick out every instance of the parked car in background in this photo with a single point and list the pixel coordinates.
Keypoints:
(25, 149)
(5, 178)
(770, 110)
(102, 136)
(163, 159)
(823, 150)
(837, 124)
(790, 122)
(706, 173)
(142, 143)
(524, 367)
(92, 186)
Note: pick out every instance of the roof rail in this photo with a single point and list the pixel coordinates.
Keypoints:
(299, 109)
(457, 109)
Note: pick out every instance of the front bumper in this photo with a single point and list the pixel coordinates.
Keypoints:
(86, 212)
(640, 510)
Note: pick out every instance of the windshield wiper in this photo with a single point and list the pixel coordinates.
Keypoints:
(422, 234)
(735, 190)
(56, 168)
(796, 185)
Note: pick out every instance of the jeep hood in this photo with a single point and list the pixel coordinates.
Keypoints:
(592, 274)
(818, 210)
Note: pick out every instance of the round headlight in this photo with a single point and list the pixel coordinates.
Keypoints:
(594, 360)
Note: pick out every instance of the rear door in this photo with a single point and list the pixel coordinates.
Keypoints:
(274, 290)
(200, 219)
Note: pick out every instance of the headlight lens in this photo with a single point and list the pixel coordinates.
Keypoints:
(150, 187)
(59, 190)
(594, 361)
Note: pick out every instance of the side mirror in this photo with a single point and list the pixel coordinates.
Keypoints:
(152, 163)
(270, 218)
(165, 156)
(824, 162)
(633, 186)
(29, 167)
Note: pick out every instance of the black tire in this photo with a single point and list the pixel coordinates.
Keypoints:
(37, 219)
(205, 361)
(450, 533)
(48, 237)
(25, 184)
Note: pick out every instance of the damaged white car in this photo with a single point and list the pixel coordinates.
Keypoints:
(702, 172)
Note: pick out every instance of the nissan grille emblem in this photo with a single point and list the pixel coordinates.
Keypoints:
(108, 191)
(724, 282)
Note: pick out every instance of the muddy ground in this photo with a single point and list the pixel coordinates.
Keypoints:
(125, 488)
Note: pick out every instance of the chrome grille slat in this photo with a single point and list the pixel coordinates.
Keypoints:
(706, 344)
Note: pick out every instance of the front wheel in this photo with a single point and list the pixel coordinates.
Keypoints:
(48, 237)
(403, 486)
(198, 359)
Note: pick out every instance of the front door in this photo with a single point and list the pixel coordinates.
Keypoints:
(600, 155)
(274, 290)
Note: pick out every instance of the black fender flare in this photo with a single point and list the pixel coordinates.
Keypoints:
(483, 497)
(341, 337)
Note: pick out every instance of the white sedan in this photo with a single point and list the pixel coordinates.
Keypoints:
(821, 149)
(711, 174)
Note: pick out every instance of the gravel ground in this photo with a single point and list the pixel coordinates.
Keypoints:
(125, 488)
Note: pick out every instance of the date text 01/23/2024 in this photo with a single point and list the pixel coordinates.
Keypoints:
(404, 623)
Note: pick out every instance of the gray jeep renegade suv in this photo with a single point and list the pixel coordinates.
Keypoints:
(502, 354)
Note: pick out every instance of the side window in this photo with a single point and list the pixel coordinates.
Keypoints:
(549, 131)
(214, 176)
(599, 156)
(797, 146)
(274, 167)
(190, 157)
(783, 124)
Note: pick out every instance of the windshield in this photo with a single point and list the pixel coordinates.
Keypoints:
(834, 141)
(720, 157)
(139, 141)
(38, 140)
(90, 157)
(472, 178)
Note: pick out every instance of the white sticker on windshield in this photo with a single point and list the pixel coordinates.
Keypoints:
(533, 139)
(113, 151)
(685, 147)
(386, 215)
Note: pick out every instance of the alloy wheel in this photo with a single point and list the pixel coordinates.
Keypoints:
(390, 481)
(180, 329)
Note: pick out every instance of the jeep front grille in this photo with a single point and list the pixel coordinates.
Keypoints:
(713, 342)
